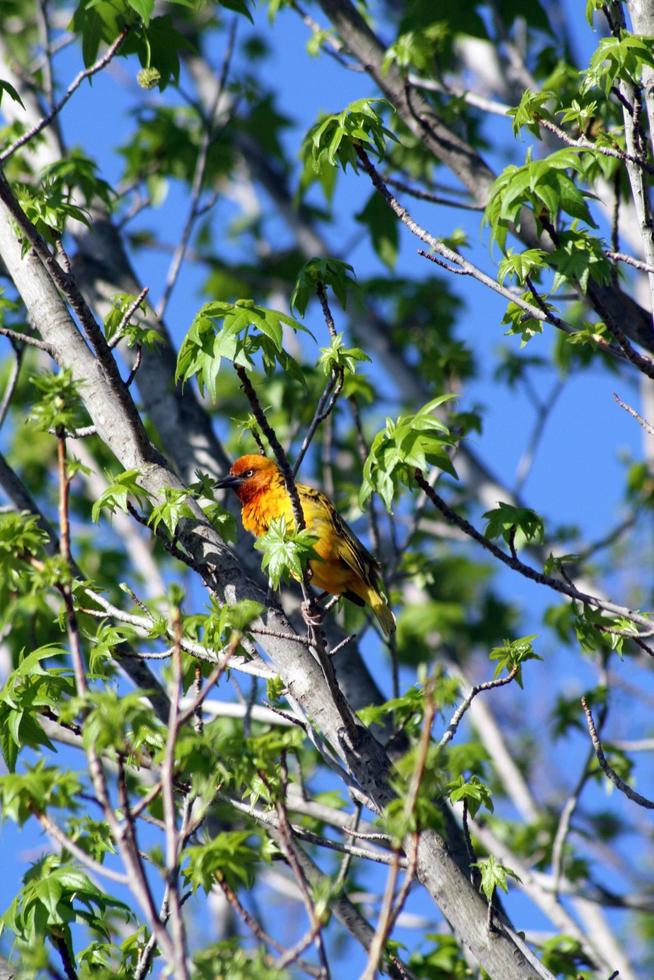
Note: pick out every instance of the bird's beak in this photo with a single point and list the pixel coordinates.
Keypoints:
(228, 482)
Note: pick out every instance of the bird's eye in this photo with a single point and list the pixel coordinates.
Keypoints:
(248, 474)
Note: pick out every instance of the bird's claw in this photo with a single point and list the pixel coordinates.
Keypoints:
(312, 613)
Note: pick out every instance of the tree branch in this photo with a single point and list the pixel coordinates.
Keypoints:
(101, 63)
(606, 768)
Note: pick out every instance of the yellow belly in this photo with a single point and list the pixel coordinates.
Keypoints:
(331, 573)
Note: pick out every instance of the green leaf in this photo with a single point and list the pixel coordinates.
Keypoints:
(413, 442)
(143, 8)
(11, 92)
(116, 496)
(542, 185)
(512, 654)
(332, 141)
(285, 551)
(474, 791)
(522, 264)
(36, 789)
(322, 272)
(236, 332)
(618, 58)
(383, 227)
(121, 723)
(531, 108)
(238, 6)
(493, 875)
(134, 332)
(341, 359)
(517, 525)
(59, 404)
(171, 510)
(230, 856)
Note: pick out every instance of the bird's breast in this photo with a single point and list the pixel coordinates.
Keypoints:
(260, 510)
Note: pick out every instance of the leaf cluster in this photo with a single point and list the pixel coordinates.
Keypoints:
(333, 140)
(54, 896)
(30, 690)
(413, 442)
(286, 551)
(236, 332)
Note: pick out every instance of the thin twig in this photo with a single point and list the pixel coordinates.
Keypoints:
(255, 667)
(197, 183)
(389, 911)
(606, 768)
(60, 944)
(212, 679)
(123, 835)
(455, 720)
(324, 408)
(127, 316)
(377, 857)
(11, 382)
(259, 931)
(135, 366)
(101, 63)
(649, 429)
(288, 847)
(346, 863)
(460, 265)
(607, 539)
(518, 565)
(421, 195)
(179, 963)
(629, 260)
(543, 414)
(363, 450)
(472, 99)
(583, 143)
(25, 338)
(54, 831)
(565, 819)
(44, 30)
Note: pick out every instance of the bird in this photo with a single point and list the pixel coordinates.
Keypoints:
(345, 567)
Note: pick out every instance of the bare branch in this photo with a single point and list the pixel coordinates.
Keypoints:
(422, 195)
(455, 720)
(179, 960)
(101, 63)
(518, 565)
(25, 338)
(629, 260)
(649, 429)
(57, 834)
(197, 183)
(389, 911)
(606, 768)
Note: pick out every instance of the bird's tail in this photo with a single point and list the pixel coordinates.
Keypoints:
(382, 611)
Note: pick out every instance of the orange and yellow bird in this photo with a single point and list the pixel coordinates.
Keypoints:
(345, 567)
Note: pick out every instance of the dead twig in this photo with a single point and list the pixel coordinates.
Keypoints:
(101, 63)
(606, 768)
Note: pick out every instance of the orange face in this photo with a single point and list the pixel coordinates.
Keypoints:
(249, 476)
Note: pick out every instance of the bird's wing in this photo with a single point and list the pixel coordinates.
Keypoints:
(349, 548)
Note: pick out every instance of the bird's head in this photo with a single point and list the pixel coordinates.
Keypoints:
(249, 476)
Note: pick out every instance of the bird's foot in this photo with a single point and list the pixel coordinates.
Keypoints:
(312, 613)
